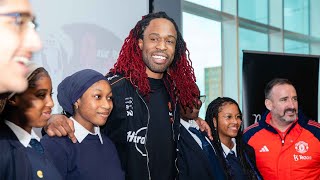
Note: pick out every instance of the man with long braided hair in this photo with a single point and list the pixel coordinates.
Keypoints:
(169, 57)
(153, 73)
(151, 76)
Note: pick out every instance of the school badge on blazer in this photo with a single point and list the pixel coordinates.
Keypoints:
(40, 174)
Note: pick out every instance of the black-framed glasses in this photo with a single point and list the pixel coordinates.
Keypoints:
(22, 20)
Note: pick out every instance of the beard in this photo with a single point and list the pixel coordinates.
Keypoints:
(290, 119)
(157, 68)
(154, 67)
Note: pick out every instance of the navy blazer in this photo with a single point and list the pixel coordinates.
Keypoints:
(19, 162)
(14, 162)
(192, 162)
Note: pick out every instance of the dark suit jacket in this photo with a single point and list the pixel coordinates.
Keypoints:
(192, 163)
(14, 162)
(19, 162)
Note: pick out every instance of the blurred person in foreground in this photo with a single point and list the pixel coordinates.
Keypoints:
(18, 41)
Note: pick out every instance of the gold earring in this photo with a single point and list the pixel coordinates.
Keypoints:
(76, 105)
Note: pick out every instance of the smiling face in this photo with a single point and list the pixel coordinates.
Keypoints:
(36, 102)
(158, 46)
(229, 122)
(94, 106)
(18, 42)
(283, 103)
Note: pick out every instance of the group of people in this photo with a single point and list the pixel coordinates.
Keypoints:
(140, 121)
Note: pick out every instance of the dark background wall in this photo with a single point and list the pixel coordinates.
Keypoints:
(261, 67)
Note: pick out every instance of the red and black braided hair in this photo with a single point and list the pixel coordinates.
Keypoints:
(180, 73)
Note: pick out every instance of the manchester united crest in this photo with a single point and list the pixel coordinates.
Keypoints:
(301, 147)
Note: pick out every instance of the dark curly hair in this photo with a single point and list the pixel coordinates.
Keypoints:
(180, 74)
(212, 112)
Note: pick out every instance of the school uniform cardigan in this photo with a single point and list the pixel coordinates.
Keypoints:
(92, 157)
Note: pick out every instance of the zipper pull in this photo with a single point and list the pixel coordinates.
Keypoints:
(282, 141)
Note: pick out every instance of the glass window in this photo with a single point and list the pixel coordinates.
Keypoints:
(265, 28)
(291, 46)
(213, 4)
(296, 16)
(250, 40)
(255, 10)
(203, 38)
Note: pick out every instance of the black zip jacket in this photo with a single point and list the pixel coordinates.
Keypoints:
(127, 126)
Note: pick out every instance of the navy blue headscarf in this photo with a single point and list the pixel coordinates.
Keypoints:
(74, 86)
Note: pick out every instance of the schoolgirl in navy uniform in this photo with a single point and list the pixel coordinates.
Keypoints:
(86, 97)
(224, 117)
(22, 156)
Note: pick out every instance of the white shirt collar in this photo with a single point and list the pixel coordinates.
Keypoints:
(23, 136)
(80, 132)
(185, 123)
(34, 135)
(190, 123)
(227, 150)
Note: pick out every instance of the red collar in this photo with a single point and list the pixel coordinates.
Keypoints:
(268, 119)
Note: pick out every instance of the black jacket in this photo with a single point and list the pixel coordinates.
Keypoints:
(127, 126)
